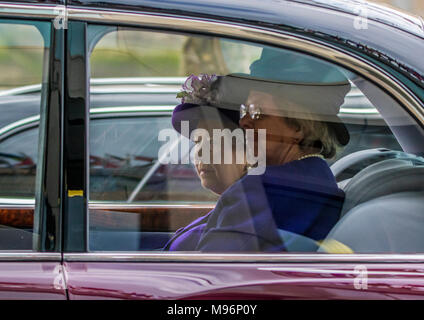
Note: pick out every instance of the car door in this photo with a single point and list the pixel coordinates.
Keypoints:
(30, 258)
(120, 213)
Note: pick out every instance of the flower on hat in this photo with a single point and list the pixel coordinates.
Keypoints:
(198, 89)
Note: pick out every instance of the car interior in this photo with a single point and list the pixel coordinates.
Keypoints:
(383, 206)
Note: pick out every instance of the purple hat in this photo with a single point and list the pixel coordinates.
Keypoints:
(194, 113)
(203, 105)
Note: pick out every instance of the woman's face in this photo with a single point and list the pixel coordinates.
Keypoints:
(216, 177)
(282, 141)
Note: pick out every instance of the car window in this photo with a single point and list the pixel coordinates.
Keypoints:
(24, 52)
(124, 166)
(210, 144)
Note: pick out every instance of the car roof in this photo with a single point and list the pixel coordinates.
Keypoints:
(38, 1)
(375, 11)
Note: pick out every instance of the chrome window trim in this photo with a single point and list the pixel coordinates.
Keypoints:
(139, 81)
(30, 10)
(93, 204)
(262, 35)
(30, 256)
(33, 121)
(192, 257)
(18, 126)
(30, 89)
(147, 81)
(166, 110)
(21, 202)
(150, 90)
(7, 203)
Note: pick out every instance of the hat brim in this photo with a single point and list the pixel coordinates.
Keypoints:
(312, 101)
(194, 114)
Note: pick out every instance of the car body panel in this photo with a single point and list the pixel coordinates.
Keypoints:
(21, 280)
(94, 280)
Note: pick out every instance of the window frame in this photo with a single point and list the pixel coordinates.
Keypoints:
(47, 199)
(366, 68)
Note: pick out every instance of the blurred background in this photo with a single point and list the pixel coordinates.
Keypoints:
(412, 6)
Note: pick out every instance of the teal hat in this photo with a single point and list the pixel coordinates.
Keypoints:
(302, 86)
(293, 67)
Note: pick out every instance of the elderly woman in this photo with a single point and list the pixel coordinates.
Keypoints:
(216, 177)
(297, 105)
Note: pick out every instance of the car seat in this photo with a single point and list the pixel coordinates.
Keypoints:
(15, 239)
(384, 208)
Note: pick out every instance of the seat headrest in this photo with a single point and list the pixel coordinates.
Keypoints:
(384, 178)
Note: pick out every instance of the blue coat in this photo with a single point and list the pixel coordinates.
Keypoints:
(301, 196)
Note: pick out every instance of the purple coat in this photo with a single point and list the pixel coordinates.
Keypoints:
(301, 196)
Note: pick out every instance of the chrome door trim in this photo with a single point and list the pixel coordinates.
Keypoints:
(30, 256)
(30, 10)
(193, 257)
(19, 125)
(178, 81)
(114, 205)
(263, 35)
(16, 202)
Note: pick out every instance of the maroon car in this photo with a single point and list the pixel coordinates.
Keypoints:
(87, 203)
